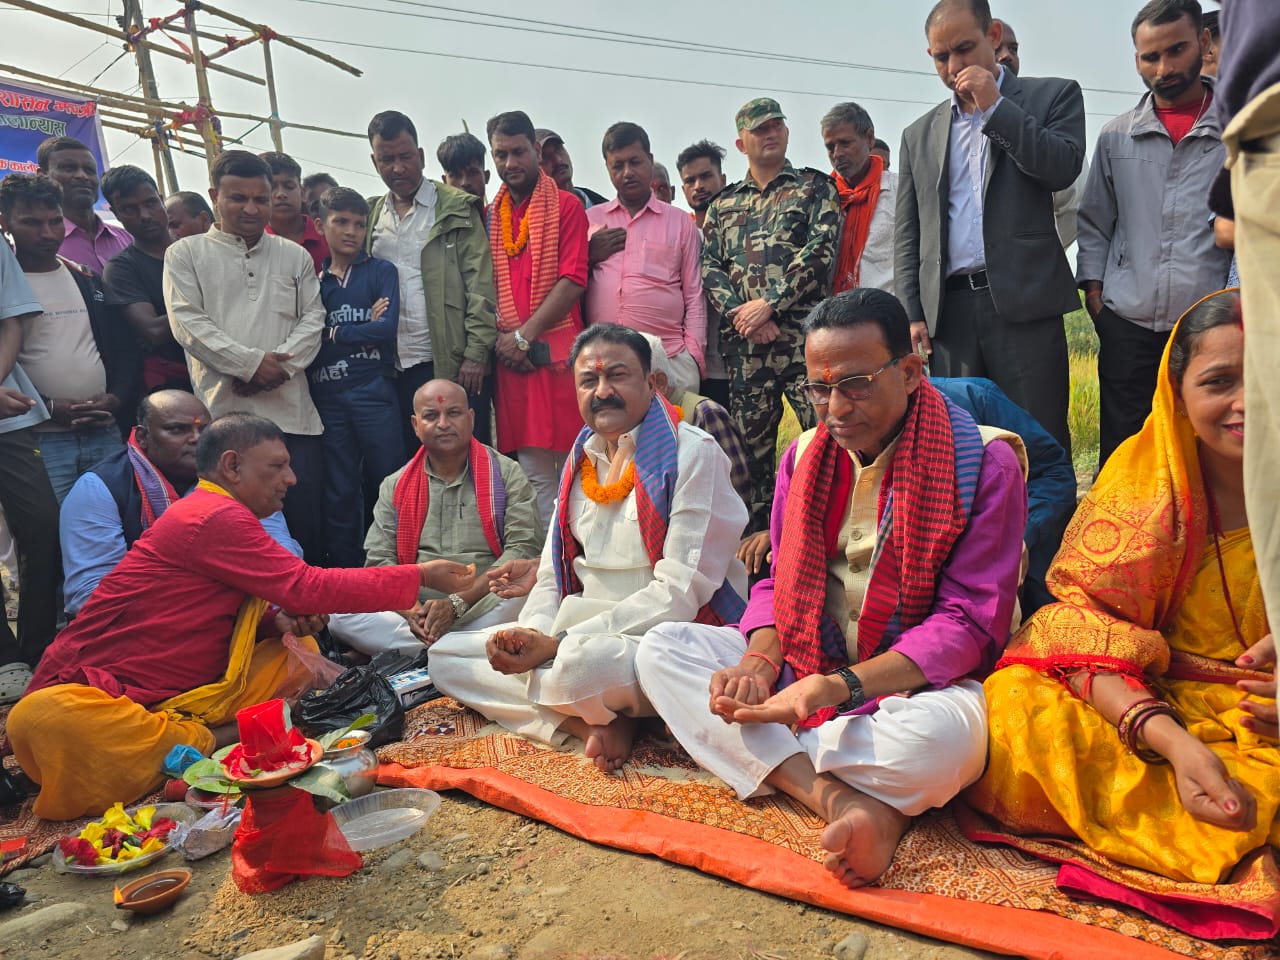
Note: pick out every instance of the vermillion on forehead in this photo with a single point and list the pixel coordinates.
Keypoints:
(439, 393)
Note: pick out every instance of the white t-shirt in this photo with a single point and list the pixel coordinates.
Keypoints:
(58, 352)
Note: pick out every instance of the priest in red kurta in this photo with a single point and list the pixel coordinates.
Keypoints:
(186, 631)
(538, 234)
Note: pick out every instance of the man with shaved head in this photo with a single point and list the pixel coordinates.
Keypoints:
(111, 505)
(456, 499)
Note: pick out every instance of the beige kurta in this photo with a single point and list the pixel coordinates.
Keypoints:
(229, 305)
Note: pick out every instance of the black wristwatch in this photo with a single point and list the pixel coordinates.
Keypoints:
(857, 696)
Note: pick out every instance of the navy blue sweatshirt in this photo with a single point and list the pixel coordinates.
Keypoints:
(356, 349)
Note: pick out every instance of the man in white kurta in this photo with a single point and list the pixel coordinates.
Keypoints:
(609, 571)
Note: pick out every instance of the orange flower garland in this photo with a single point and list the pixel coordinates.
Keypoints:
(614, 492)
(513, 247)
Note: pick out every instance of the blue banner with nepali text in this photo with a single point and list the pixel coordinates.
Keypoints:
(30, 114)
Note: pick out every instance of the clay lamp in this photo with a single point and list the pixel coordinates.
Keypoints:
(154, 892)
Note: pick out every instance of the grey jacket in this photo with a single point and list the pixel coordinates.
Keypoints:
(1144, 220)
(1037, 147)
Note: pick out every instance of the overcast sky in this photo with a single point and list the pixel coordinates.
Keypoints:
(809, 55)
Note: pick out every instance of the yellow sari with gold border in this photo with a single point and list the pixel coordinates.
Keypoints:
(1140, 593)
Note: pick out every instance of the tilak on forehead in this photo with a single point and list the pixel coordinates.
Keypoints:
(827, 375)
(599, 364)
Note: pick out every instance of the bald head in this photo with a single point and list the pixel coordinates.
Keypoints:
(1007, 51)
(436, 392)
(443, 422)
(169, 425)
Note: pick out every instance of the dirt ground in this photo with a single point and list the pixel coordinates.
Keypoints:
(476, 883)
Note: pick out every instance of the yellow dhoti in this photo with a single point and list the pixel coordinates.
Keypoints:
(88, 749)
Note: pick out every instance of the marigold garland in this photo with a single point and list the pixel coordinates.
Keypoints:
(513, 247)
(614, 492)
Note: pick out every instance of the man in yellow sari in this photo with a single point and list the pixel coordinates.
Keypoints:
(186, 630)
(1136, 717)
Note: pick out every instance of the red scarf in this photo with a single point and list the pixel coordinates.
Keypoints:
(919, 528)
(413, 492)
(543, 214)
(859, 205)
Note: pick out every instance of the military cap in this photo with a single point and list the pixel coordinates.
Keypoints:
(757, 111)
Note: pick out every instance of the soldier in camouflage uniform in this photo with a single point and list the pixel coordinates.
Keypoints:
(769, 244)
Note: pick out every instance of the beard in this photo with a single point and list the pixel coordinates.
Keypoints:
(1172, 87)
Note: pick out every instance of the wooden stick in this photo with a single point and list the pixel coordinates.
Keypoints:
(147, 77)
(102, 28)
(208, 133)
(259, 29)
(107, 97)
(276, 139)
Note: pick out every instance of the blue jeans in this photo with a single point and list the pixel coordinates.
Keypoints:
(362, 446)
(68, 455)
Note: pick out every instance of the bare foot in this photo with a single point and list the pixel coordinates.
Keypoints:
(609, 745)
(862, 841)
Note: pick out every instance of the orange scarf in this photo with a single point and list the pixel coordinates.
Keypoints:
(859, 205)
(543, 217)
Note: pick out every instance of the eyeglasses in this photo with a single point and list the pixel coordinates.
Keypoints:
(851, 388)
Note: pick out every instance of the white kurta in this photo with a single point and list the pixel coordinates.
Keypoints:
(622, 597)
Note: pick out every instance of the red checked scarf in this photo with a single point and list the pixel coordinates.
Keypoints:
(928, 514)
(858, 202)
(413, 491)
(543, 214)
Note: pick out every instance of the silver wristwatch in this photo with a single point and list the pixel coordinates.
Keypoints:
(521, 342)
(459, 605)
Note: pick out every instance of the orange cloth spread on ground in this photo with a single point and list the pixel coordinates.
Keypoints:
(1142, 595)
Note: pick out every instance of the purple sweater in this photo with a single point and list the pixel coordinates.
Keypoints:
(968, 628)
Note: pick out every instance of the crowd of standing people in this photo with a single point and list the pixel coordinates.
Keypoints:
(415, 371)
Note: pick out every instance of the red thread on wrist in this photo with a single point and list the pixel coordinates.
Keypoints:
(777, 670)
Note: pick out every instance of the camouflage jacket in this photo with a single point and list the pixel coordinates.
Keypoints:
(778, 244)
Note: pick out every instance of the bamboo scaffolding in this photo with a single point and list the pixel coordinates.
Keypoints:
(105, 97)
(116, 34)
(260, 29)
(165, 169)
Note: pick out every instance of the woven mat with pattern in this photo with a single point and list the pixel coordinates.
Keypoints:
(940, 884)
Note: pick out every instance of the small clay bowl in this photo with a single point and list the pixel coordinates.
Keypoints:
(154, 892)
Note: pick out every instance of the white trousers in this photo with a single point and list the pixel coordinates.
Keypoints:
(592, 677)
(913, 754)
(375, 633)
(685, 375)
(543, 468)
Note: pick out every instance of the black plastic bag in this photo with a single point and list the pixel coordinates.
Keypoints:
(359, 691)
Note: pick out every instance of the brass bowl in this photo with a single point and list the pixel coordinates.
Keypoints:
(154, 892)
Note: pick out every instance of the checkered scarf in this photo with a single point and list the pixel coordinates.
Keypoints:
(656, 472)
(543, 214)
(157, 492)
(413, 492)
(924, 507)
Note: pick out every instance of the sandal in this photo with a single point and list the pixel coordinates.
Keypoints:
(14, 678)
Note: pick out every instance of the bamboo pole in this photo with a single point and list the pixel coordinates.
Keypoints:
(276, 139)
(145, 133)
(159, 144)
(108, 97)
(259, 29)
(208, 133)
(102, 28)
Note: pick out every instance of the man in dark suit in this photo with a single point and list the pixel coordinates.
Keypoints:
(977, 260)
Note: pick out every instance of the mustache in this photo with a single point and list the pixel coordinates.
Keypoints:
(606, 403)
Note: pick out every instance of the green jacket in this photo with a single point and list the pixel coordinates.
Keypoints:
(457, 274)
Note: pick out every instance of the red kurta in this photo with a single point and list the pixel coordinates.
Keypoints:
(540, 409)
(160, 623)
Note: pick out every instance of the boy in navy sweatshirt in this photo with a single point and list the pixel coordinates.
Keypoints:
(352, 376)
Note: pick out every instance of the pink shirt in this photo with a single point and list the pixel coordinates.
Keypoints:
(654, 284)
(94, 251)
